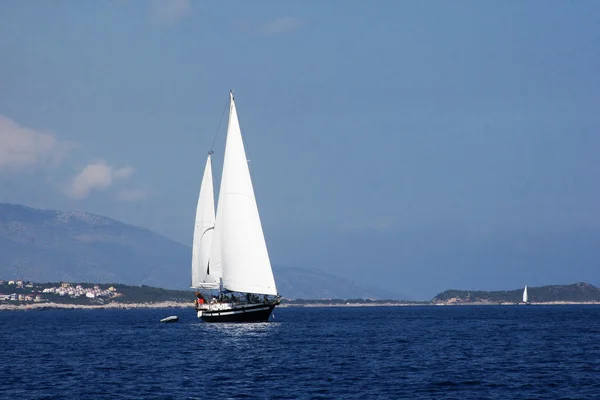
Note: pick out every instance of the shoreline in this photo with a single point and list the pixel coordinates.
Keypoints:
(546, 303)
(173, 304)
(549, 303)
(55, 306)
(305, 305)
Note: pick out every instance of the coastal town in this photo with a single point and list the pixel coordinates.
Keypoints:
(21, 291)
(20, 294)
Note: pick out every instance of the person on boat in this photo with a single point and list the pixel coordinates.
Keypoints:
(200, 299)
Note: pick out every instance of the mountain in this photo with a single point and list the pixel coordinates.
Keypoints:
(49, 246)
(44, 245)
(302, 283)
(577, 292)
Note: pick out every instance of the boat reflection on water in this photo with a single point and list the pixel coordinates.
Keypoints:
(242, 336)
(247, 329)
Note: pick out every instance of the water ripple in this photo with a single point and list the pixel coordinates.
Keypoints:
(375, 353)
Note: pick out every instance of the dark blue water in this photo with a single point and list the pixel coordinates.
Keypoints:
(497, 352)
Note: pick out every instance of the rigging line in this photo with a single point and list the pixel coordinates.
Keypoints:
(248, 155)
(219, 127)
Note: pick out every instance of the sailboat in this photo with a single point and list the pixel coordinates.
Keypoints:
(525, 296)
(231, 269)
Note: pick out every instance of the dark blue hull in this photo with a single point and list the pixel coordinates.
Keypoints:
(254, 313)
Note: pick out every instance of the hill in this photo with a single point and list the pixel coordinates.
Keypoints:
(50, 246)
(303, 283)
(44, 245)
(24, 292)
(577, 292)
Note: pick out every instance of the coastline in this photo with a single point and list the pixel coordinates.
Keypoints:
(174, 304)
(170, 304)
(547, 303)
(308, 305)
(550, 303)
(46, 306)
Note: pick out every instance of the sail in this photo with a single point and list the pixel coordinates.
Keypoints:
(215, 266)
(240, 244)
(203, 234)
(525, 296)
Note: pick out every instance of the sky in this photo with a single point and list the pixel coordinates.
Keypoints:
(407, 145)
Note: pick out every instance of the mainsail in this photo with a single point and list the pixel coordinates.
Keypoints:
(203, 274)
(239, 247)
(525, 296)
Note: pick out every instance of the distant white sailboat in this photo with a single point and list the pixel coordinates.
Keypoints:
(229, 252)
(525, 296)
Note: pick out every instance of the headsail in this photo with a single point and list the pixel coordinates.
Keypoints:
(239, 240)
(203, 235)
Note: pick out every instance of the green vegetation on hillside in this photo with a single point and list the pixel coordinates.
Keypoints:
(577, 292)
(23, 292)
(149, 294)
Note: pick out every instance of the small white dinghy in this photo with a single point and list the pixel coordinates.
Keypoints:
(172, 318)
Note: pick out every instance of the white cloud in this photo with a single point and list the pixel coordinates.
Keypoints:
(23, 147)
(97, 176)
(280, 26)
(170, 11)
(123, 173)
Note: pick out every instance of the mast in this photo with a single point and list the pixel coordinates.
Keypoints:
(239, 244)
(202, 275)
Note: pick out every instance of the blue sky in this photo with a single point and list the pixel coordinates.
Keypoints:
(415, 146)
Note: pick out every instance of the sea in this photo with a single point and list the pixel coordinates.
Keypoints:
(410, 352)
